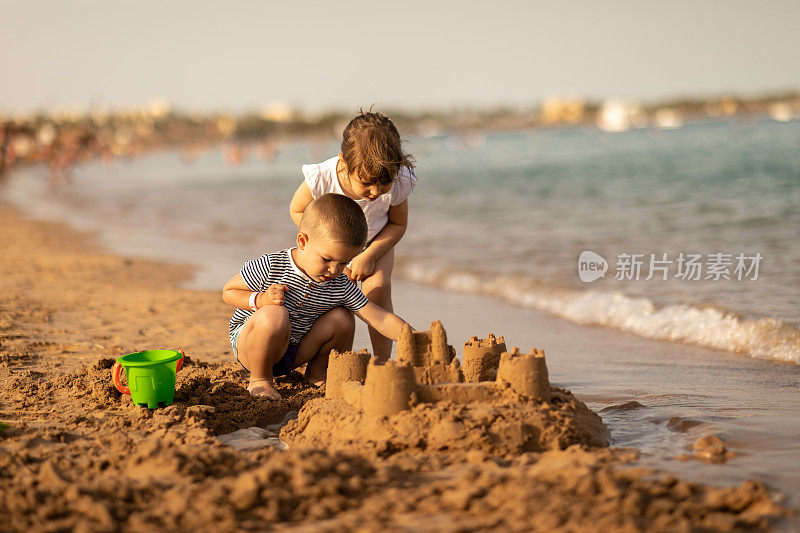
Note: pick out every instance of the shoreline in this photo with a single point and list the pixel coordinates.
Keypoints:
(66, 303)
(711, 323)
(102, 287)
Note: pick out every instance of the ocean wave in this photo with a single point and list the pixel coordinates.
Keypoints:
(707, 326)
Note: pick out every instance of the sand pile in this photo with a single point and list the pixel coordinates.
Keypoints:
(565, 490)
(496, 428)
(207, 396)
(119, 482)
(83, 456)
(87, 459)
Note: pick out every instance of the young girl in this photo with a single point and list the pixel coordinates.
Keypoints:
(373, 170)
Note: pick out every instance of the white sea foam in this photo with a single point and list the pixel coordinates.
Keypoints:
(711, 327)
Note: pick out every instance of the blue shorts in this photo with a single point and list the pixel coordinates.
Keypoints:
(282, 368)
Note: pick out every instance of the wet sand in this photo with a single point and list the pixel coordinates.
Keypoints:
(686, 392)
(79, 456)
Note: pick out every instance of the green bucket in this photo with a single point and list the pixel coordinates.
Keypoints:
(151, 376)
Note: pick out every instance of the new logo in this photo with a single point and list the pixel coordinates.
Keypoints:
(591, 266)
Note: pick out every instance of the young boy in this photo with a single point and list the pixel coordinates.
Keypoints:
(294, 306)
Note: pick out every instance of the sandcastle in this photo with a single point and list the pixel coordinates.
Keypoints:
(498, 402)
(427, 371)
(482, 357)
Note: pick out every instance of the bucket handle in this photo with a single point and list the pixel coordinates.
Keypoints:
(117, 368)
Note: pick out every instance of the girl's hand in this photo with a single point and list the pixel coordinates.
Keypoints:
(273, 295)
(361, 267)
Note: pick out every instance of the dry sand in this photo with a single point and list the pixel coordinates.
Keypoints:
(78, 456)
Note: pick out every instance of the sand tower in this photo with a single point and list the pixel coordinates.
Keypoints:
(427, 352)
(525, 374)
(388, 388)
(482, 357)
(343, 367)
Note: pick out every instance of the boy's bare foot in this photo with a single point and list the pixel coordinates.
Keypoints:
(263, 387)
(293, 377)
(317, 380)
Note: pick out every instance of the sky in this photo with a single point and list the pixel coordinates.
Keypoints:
(414, 55)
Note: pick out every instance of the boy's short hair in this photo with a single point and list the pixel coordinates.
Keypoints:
(372, 148)
(335, 217)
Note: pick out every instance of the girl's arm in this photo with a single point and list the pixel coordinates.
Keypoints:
(302, 197)
(388, 324)
(392, 232)
(363, 265)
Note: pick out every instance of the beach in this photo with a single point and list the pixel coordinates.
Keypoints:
(79, 456)
(692, 382)
(593, 263)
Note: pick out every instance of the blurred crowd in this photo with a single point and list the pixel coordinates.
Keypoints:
(63, 139)
(60, 149)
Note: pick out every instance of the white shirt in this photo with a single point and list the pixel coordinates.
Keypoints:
(321, 178)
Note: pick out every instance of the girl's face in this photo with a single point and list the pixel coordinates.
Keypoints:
(359, 188)
(366, 190)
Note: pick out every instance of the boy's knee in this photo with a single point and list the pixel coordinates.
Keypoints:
(272, 318)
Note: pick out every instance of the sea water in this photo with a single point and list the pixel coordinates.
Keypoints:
(506, 217)
(509, 215)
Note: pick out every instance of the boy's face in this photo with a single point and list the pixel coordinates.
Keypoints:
(323, 259)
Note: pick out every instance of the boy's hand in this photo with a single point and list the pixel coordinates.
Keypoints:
(361, 267)
(274, 295)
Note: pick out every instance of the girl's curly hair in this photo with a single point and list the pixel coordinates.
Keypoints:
(372, 148)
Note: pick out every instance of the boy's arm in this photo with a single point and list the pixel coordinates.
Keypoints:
(363, 265)
(302, 197)
(388, 324)
(237, 293)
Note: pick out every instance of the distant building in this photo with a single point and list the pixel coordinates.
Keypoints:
(724, 107)
(667, 118)
(781, 111)
(159, 108)
(277, 112)
(562, 110)
(621, 115)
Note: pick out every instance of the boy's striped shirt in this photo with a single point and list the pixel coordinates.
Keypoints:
(305, 300)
